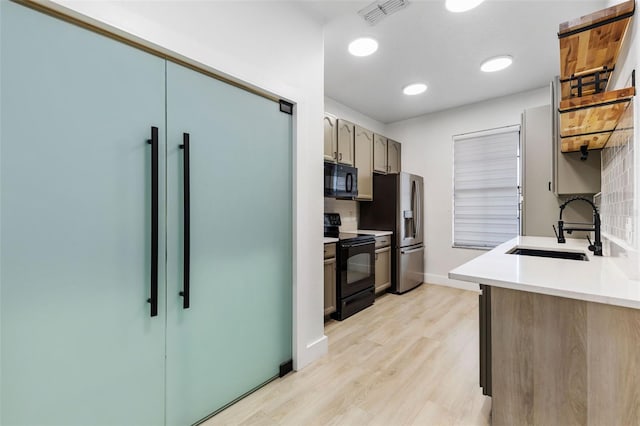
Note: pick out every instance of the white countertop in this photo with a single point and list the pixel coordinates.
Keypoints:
(328, 240)
(597, 280)
(374, 232)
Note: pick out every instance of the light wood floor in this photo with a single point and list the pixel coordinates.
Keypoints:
(407, 360)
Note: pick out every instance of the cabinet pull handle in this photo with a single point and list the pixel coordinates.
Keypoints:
(153, 299)
(186, 267)
(340, 155)
(335, 155)
(376, 256)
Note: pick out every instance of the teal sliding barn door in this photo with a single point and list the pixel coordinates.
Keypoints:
(78, 345)
(237, 328)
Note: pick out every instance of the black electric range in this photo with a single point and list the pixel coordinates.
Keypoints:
(355, 272)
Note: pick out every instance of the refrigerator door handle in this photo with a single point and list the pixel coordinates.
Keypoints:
(421, 248)
(414, 196)
(418, 208)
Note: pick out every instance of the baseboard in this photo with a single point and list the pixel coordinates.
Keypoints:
(313, 351)
(448, 282)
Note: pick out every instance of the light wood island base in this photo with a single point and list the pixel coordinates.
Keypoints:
(560, 361)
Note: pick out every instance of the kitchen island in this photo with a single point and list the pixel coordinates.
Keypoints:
(564, 335)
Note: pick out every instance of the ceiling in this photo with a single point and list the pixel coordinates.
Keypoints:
(426, 43)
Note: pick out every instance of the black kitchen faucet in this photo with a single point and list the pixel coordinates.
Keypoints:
(595, 247)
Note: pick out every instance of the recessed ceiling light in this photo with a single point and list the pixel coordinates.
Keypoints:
(414, 89)
(496, 64)
(364, 46)
(461, 5)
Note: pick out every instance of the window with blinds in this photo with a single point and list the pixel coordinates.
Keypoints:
(486, 192)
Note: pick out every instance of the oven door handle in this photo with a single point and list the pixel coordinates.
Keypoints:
(353, 245)
(412, 251)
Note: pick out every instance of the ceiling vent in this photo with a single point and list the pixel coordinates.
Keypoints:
(378, 10)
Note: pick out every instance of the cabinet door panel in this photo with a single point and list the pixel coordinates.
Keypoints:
(393, 156)
(237, 330)
(346, 137)
(329, 286)
(379, 154)
(78, 344)
(383, 269)
(364, 162)
(330, 138)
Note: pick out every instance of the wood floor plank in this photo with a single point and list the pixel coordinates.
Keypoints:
(407, 360)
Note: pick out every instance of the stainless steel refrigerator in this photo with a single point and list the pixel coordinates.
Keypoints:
(398, 206)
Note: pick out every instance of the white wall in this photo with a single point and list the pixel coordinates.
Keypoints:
(629, 56)
(273, 46)
(342, 111)
(628, 252)
(427, 150)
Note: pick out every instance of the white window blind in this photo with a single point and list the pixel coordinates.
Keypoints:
(485, 187)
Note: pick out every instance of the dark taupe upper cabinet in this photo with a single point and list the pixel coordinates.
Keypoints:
(393, 157)
(346, 139)
(379, 154)
(364, 162)
(330, 138)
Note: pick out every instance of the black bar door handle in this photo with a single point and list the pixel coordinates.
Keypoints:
(153, 300)
(187, 223)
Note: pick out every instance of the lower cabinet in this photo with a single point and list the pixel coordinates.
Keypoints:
(383, 263)
(329, 278)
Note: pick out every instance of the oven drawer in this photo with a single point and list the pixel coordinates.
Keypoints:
(383, 241)
(354, 304)
(329, 250)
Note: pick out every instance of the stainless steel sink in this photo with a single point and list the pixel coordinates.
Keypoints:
(548, 253)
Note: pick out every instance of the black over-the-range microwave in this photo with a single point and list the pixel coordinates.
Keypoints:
(340, 181)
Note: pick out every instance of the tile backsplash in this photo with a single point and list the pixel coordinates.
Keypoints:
(618, 185)
(348, 212)
(618, 198)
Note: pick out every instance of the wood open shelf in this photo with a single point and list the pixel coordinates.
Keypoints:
(591, 44)
(589, 49)
(590, 120)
